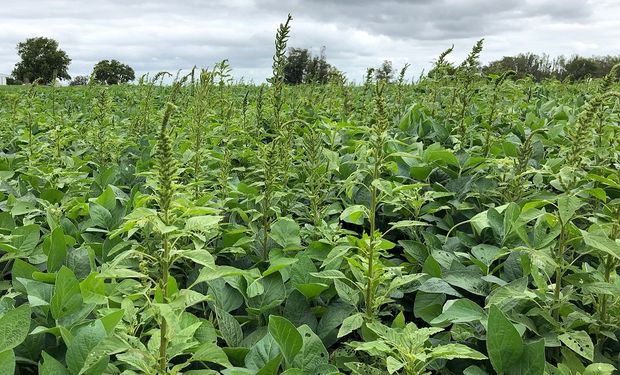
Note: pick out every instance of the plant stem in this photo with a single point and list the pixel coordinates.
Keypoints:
(558, 275)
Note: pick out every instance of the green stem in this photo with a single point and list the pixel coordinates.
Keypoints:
(558, 275)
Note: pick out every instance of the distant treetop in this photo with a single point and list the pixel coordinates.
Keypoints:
(112, 72)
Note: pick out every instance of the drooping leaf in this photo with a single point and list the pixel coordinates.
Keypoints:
(286, 335)
(504, 343)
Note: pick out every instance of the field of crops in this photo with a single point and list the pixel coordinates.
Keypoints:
(462, 224)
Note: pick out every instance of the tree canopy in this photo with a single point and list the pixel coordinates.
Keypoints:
(112, 72)
(302, 67)
(540, 67)
(41, 59)
(385, 72)
(79, 81)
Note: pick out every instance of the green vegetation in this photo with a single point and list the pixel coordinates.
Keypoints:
(41, 60)
(112, 72)
(574, 68)
(464, 224)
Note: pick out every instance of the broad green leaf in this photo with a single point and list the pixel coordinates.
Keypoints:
(203, 223)
(460, 311)
(312, 354)
(111, 320)
(92, 289)
(107, 199)
(451, 351)
(15, 325)
(100, 216)
(599, 369)
(51, 366)
(504, 344)
(311, 290)
(39, 293)
(286, 335)
(496, 221)
(210, 352)
(474, 370)
(209, 273)
(427, 306)
(511, 215)
(294, 371)
(261, 353)
(272, 367)
(407, 224)
(67, 298)
(277, 264)
(348, 293)
(568, 206)
(437, 285)
(354, 214)
(83, 344)
(202, 257)
(7, 362)
(56, 249)
(229, 328)
(26, 238)
(602, 243)
(350, 324)
(579, 342)
(285, 232)
(532, 361)
(393, 364)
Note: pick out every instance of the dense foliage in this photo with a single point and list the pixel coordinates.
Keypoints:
(574, 68)
(112, 72)
(302, 67)
(42, 60)
(460, 225)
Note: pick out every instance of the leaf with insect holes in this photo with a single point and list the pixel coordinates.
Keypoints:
(579, 342)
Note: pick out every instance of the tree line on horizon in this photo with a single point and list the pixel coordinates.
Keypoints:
(43, 61)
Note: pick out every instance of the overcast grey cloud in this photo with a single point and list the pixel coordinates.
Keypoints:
(169, 35)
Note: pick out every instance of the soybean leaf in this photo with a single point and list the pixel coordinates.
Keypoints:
(504, 344)
(285, 232)
(286, 335)
(67, 298)
(15, 325)
(7, 362)
(579, 342)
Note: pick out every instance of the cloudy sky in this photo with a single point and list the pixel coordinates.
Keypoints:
(157, 35)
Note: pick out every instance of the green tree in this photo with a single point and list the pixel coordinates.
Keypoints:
(302, 67)
(41, 59)
(296, 65)
(79, 81)
(112, 72)
(385, 72)
(578, 68)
